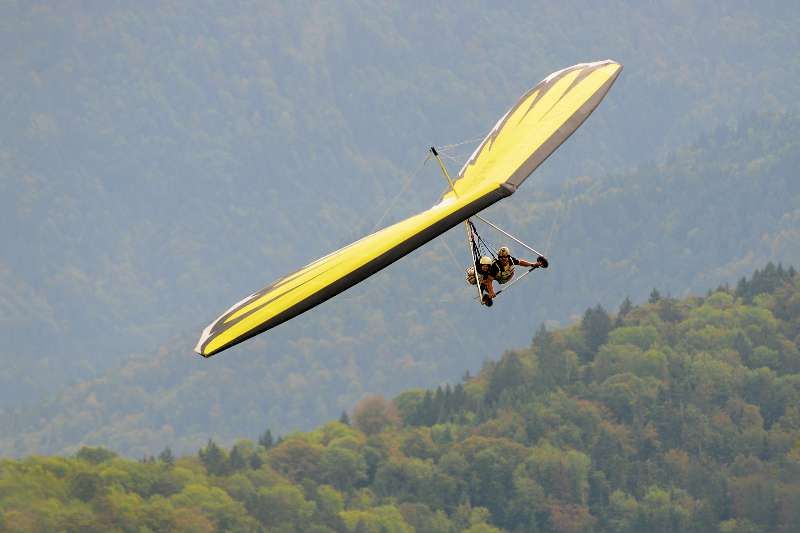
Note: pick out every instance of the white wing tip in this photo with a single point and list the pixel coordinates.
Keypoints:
(203, 338)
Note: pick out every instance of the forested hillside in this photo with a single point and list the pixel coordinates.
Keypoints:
(680, 219)
(158, 163)
(669, 416)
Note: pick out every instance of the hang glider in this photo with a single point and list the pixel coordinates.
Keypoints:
(520, 141)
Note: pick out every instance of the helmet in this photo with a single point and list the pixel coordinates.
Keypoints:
(486, 260)
(503, 251)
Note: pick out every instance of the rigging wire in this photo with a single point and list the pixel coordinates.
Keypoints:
(557, 218)
(451, 158)
(452, 255)
(501, 230)
(553, 225)
(448, 147)
(506, 287)
(403, 190)
(481, 242)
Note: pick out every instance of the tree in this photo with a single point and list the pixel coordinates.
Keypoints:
(384, 518)
(283, 507)
(405, 479)
(741, 525)
(215, 503)
(166, 457)
(745, 348)
(595, 327)
(422, 518)
(408, 405)
(664, 511)
(628, 396)
(158, 514)
(483, 527)
(192, 519)
(373, 414)
(655, 296)
(419, 444)
(642, 336)
(570, 518)
(755, 497)
(95, 455)
(329, 504)
(492, 463)
(763, 281)
(625, 307)
(266, 439)
(344, 418)
(85, 486)
(214, 459)
(562, 475)
(237, 460)
(509, 373)
(669, 311)
(297, 459)
(342, 468)
(622, 511)
(557, 365)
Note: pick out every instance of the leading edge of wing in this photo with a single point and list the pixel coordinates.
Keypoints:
(325, 283)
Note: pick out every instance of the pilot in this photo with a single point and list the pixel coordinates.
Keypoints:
(487, 272)
(504, 266)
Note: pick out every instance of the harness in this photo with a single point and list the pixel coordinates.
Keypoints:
(505, 273)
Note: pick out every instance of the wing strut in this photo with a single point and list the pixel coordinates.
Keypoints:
(468, 226)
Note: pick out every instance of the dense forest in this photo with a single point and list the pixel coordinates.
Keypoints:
(160, 162)
(672, 415)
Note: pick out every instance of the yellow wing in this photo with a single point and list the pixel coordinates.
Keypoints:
(521, 140)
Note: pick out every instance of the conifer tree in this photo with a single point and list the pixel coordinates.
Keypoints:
(655, 296)
(255, 461)
(625, 307)
(213, 457)
(166, 457)
(236, 459)
(595, 327)
(266, 439)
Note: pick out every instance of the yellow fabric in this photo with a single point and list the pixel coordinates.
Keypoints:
(315, 276)
(527, 127)
(548, 114)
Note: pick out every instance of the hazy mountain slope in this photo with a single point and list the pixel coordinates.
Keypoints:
(159, 162)
(713, 210)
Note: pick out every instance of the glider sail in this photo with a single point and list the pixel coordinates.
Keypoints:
(520, 141)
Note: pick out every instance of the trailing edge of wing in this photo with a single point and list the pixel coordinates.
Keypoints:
(543, 118)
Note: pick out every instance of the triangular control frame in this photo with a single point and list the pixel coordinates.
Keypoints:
(473, 238)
